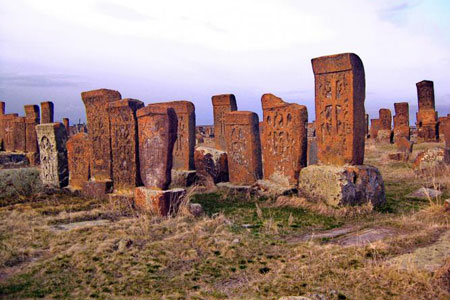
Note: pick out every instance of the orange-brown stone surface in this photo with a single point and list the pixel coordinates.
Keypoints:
(157, 134)
(222, 104)
(47, 112)
(401, 120)
(19, 129)
(2, 108)
(183, 150)
(211, 166)
(243, 147)
(157, 202)
(374, 128)
(8, 131)
(96, 103)
(97, 189)
(78, 156)
(339, 98)
(446, 131)
(385, 119)
(426, 117)
(124, 143)
(32, 119)
(284, 140)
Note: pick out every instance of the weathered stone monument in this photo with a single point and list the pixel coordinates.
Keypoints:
(374, 128)
(66, 124)
(19, 134)
(79, 157)
(124, 144)
(211, 166)
(96, 103)
(401, 121)
(384, 134)
(243, 147)
(2, 108)
(445, 128)
(52, 138)
(157, 135)
(426, 117)
(8, 131)
(340, 178)
(366, 125)
(47, 112)
(284, 140)
(31, 143)
(2, 113)
(222, 104)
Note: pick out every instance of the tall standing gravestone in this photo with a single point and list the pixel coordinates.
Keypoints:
(124, 143)
(47, 112)
(283, 140)
(426, 117)
(243, 147)
(19, 134)
(222, 104)
(340, 91)
(2, 113)
(8, 131)
(32, 119)
(340, 178)
(52, 138)
(385, 132)
(96, 103)
(78, 156)
(401, 120)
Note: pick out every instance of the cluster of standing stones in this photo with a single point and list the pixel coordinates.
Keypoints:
(145, 156)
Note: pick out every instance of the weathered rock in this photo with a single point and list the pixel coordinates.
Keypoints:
(79, 157)
(97, 189)
(426, 117)
(312, 151)
(182, 178)
(19, 129)
(384, 136)
(243, 147)
(2, 108)
(401, 121)
(196, 209)
(96, 103)
(430, 158)
(374, 128)
(47, 112)
(340, 92)
(157, 202)
(157, 135)
(425, 194)
(52, 138)
(222, 104)
(284, 140)
(124, 143)
(211, 165)
(342, 185)
(183, 150)
(8, 131)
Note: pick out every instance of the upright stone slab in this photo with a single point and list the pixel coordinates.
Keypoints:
(124, 143)
(243, 147)
(366, 125)
(340, 92)
(183, 150)
(445, 128)
(2, 130)
(47, 112)
(2, 108)
(385, 131)
(78, 156)
(374, 128)
(401, 121)
(426, 117)
(157, 134)
(52, 139)
(284, 140)
(96, 103)
(222, 104)
(32, 119)
(19, 132)
(8, 131)
(66, 124)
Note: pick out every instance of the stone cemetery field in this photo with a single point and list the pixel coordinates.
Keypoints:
(243, 245)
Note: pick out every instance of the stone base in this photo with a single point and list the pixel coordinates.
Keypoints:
(98, 189)
(342, 185)
(11, 160)
(158, 202)
(384, 136)
(122, 201)
(182, 178)
(273, 189)
(33, 158)
(399, 156)
(211, 165)
(311, 156)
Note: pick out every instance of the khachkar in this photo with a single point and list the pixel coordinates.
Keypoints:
(222, 104)
(157, 133)
(426, 117)
(52, 140)
(47, 112)
(19, 133)
(183, 167)
(31, 120)
(401, 121)
(124, 147)
(384, 134)
(78, 156)
(445, 128)
(374, 128)
(98, 122)
(243, 147)
(66, 123)
(283, 140)
(340, 178)
(7, 125)
(2, 113)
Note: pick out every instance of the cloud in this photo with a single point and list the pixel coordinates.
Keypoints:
(38, 80)
(120, 11)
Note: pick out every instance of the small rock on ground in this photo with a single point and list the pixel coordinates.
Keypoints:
(425, 193)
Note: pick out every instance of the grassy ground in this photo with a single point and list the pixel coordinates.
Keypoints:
(243, 248)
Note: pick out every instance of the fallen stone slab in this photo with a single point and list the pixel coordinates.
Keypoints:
(364, 237)
(425, 193)
(329, 234)
(78, 225)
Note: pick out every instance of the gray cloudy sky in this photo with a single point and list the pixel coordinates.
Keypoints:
(190, 50)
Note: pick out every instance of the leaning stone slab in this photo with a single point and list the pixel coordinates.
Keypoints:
(52, 138)
(158, 202)
(211, 165)
(342, 185)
